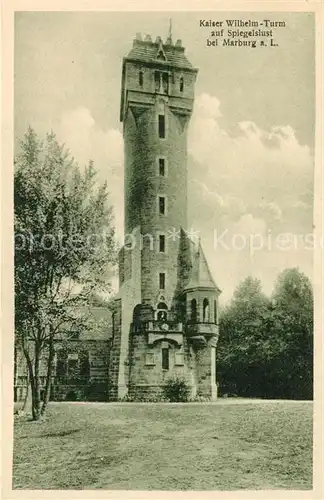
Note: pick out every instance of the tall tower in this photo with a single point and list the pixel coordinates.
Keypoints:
(160, 269)
(156, 103)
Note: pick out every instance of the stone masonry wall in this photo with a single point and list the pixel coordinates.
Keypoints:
(206, 371)
(128, 297)
(132, 78)
(143, 186)
(64, 386)
(114, 355)
(147, 375)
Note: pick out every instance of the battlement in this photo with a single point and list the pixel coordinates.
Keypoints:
(148, 40)
(148, 51)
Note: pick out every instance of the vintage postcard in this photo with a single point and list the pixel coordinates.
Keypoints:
(162, 223)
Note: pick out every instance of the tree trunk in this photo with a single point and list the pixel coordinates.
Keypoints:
(27, 401)
(36, 399)
(15, 367)
(48, 385)
(31, 379)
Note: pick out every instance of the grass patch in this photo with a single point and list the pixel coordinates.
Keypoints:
(221, 446)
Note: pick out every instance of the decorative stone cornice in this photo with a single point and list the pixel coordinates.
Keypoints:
(158, 337)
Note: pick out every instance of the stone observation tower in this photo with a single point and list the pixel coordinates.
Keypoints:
(165, 320)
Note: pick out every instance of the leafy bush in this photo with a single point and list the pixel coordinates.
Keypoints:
(74, 395)
(126, 399)
(200, 399)
(158, 397)
(176, 390)
(144, 398)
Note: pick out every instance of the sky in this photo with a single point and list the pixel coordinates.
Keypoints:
(250, 140)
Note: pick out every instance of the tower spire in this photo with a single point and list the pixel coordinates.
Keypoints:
(169, 39)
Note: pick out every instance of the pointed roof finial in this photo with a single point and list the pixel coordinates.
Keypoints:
(169, 39)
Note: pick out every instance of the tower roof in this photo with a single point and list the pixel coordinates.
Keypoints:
(147, 51)
(193, 270)
(201, 276)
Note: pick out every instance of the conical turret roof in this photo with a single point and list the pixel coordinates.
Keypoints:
(201, 276)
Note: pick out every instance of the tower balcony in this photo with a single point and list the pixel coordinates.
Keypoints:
(207, 330)
(201, 333)
(158, 330)
(166, 327)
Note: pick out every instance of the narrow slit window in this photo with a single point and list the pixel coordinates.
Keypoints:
(165, 82)
(162, 126)
(165, 358)
(162, 243)
(161, 167)
(162, 205)
(157, 81)
(162, 281)
(181, 84)
(140, 78)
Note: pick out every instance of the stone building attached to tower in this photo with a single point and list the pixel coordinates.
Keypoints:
(165, 320)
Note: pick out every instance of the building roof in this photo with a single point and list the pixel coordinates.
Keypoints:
(194, 266)
(201, 276)
(147, 51)
(101, 320)
(97, 323)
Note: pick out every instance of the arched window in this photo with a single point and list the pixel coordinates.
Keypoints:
(161, 55)
(136, 313)
(205, 311)
(162, 311)
(140, 78)
(181, 84)
(193, 310)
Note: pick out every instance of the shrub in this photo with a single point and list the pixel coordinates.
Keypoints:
(144, 398)
(176, 390)
(126, 399)
(158, 397)
(200, 399)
